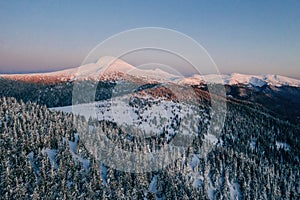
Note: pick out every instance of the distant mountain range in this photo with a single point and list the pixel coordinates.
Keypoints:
(110, 68)
(251, 80)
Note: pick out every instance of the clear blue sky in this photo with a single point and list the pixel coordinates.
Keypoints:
(255, 37)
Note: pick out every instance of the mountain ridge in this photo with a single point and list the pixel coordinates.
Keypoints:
(238, 78)
(107, 68)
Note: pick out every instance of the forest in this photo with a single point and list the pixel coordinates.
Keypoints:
(44, 157)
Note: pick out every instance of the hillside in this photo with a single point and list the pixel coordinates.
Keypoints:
(44, 156)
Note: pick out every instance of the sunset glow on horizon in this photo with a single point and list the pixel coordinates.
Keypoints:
(251, 37)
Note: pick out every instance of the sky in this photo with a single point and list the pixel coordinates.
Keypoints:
(251, 37)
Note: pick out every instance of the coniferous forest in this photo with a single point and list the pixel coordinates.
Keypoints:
(44, 157)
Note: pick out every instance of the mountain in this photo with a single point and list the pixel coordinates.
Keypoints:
(110, 68)
(106, 68)
(250, 80)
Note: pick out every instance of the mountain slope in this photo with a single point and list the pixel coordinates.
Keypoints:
(44, 156)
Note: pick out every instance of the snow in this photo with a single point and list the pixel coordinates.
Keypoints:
(73, 149)
(143, 116)
(236, 78)
(211, 191)
(278, 80)
(283, 145)
(196, 79)
(31, 159)
(86, 110)
(195, 162)
(153, 184)
(73, 145)
(106, 67)
(211, 138)
(51, 153)
(104, 173)
(235, 192)
(252, 144)
(198, 180)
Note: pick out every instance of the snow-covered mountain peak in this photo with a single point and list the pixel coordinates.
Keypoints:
(261, 80)
(278, 80)
(106, 68)
(112, 64)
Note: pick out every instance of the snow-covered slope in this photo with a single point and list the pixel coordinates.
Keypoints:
(151, 115)
(235, 78)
